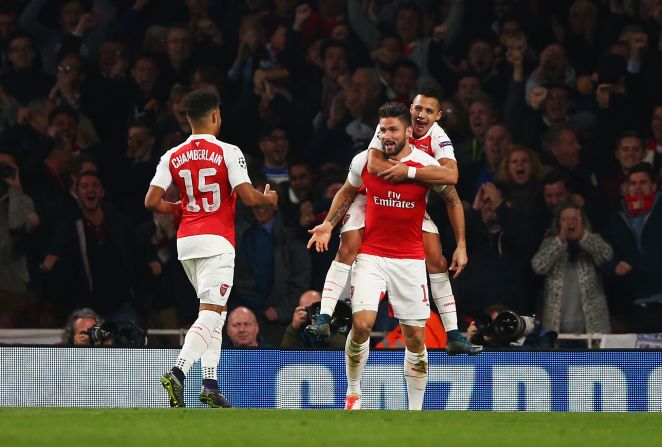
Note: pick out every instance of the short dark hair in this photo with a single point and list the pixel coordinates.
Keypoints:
(644, 167)
(393, 109)
(429, 93)
(199, 103)
(488, 101)
(629, 134)
(89, 173)
(555, 176)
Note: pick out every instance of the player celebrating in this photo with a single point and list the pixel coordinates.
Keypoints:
(207, 173)
(391, 257)
(429, 137)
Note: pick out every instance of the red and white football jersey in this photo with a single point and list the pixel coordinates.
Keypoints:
(435, 143)
(206, 171)
(394, 211)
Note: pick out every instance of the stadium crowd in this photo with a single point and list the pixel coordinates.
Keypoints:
(554, 110)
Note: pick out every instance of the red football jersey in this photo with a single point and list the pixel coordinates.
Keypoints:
(394, 211)
(206, 171)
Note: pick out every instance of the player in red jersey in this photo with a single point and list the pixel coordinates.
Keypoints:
(209, 174)
(391, 256)
(429, 137)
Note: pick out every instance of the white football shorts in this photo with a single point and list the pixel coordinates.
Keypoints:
(405, 280)
(355, 217)
(211, 277)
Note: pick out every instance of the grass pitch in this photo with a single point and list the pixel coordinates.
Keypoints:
(294, 428)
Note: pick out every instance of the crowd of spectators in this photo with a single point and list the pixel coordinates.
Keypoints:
(552, 108)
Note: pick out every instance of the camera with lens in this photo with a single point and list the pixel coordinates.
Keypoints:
(121, 333)
(506, 329)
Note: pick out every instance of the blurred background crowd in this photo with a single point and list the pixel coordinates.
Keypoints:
(554, 109)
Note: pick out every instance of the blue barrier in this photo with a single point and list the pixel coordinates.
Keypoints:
(499, 381)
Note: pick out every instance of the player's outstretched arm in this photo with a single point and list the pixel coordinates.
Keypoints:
(321, 234)
(251, 197)
(155, 203)
(446, 174)
(456, 216)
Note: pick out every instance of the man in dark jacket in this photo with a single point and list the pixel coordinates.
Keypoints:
(635, 233)
(102, 253)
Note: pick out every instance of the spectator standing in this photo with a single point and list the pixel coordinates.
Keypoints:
(574, 299)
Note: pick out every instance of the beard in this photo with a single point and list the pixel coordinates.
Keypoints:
(396, 150)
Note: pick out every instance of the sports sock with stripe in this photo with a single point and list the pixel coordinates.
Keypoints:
(337, 280)
(197, 339)
(442, 294)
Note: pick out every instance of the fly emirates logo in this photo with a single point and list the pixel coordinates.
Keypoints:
(393, 200)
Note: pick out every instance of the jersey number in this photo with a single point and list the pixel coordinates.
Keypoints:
(213, 188)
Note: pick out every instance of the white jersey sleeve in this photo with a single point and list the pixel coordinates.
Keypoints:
(376, 143)
(441, 145)
(356, 169)
(163, 177)
(236, 164)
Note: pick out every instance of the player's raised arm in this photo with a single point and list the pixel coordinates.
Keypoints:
(339, 206)
(251, 197)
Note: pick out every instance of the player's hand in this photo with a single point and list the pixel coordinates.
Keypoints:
(459, 261)
(396, 173)
(321, 235)
(622, 268)
(271, 195)
(300, 317)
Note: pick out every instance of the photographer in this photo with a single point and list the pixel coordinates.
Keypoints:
(307, 310)
(17, 219)
(79, 323)
(85, 328)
